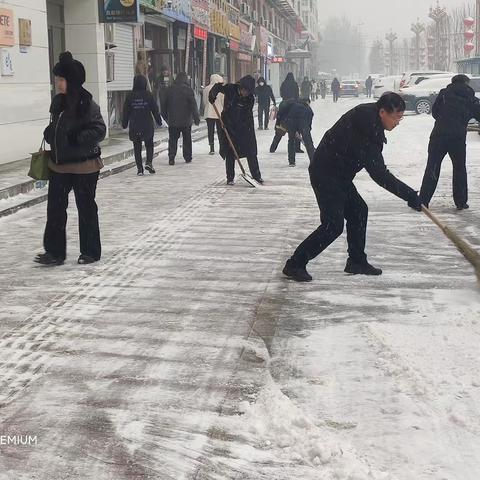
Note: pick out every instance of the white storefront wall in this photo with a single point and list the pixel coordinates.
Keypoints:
(25, 96)
(124, 54)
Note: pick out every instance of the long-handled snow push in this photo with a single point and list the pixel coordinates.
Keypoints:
(462, 246)
(248, 178)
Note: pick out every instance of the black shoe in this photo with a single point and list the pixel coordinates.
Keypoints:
(149, 168)
(299, 151)
(291, 164)
(266, 128)
(230, 182)
(465, 206)
(273, 150)
(299, 274)
(260, 128)
(188, 161)
(260, 180)
(48, 259)
(171, 161)
(86, 259)
(363, 268)
(140, 173)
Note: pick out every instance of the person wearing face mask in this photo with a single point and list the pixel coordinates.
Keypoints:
(355, 142)
(264, 93)
(237, 116)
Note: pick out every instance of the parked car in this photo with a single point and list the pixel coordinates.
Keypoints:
(389, 83)
(348, 88)
(409, 78)
(420, 98)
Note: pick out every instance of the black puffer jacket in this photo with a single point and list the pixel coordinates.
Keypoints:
(289, 88)
(356, 142)
(453, 109)
(138, 110)
(74, 134)
(295, 116)
(179, 107)
(264, 93)
(237, 116)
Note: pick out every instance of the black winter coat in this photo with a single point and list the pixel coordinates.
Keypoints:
(353, 143)
(179, 106)
(289, 90)
(74, 135)
(137, 114)
(295, 116)
(306, 89)
(453, 109)
(237, 116)
(264, 93)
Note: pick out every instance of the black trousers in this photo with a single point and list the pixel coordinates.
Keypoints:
(212, 125)
(335, 97)
(84, 187)
(437, 149)
(230, 165)
(337, 202)
(137, 148)
(263, 115)
(173, 136)
(293, 144)
(276, 140)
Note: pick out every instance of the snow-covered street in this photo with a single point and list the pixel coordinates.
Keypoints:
(185, 354)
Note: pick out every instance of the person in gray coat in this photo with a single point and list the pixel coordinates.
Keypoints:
(180, 110)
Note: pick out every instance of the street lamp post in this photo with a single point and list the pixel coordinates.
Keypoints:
(417, 28)
(391, 37)
(437, 14)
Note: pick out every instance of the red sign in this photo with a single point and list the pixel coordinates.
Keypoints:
(200, 33)
(278, 60)
(235, 46)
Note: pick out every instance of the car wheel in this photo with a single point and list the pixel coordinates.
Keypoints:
(423, 106)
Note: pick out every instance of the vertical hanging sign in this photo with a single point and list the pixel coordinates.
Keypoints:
(7, 34)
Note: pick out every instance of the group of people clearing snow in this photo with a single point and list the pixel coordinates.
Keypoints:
(355, 142)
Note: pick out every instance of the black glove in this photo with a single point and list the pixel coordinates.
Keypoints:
(415, 203)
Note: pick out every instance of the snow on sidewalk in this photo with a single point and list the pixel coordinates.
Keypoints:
(185, 354)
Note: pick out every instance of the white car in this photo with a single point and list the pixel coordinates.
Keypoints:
(409, 78)
(420, 98)
(390, 83)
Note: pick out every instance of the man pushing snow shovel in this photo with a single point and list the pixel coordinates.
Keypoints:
(353, 143)
(237, 117)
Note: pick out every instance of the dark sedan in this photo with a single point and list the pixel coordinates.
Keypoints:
(349, 88)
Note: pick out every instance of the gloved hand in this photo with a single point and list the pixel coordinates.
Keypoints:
(197, 123)
(415, 203)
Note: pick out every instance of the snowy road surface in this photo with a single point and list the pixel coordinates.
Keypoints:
(185, 354)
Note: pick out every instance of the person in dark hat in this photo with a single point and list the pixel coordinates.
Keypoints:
(454, 107)
(237, 117)
(74, 133)
(139, 110)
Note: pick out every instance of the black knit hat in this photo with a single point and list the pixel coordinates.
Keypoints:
(69, 69)
(248, 83)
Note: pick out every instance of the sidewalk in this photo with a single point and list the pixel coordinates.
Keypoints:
(18, 191)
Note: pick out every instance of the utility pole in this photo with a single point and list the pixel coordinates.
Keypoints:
(391, 37)
(417, 28)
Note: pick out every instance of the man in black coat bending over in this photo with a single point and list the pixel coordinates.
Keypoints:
(452, 110)
(353, 143)
(237, 117)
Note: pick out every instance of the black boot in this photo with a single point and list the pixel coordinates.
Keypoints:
(149, 168)
(295, 272)
(465, 206)
(361, 268)
(48, 259)
(212, 149)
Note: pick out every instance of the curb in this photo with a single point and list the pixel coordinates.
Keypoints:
(118, 157)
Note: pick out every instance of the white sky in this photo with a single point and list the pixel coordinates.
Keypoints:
(378, 16)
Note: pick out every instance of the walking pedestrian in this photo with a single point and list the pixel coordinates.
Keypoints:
(296, 119)
(211, 115)
(76, 127)
(335, 87)
(368, 86)
(314, 90)
(323, 89)
(237, 117)
(180, 110)
(289, 92)
(452, 110)
(353, 143)
(138, 110)
(306, 88)
(264, 94)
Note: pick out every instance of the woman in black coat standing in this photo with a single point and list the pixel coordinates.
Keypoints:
(74, 132)
(137, 113)
(289, 88)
